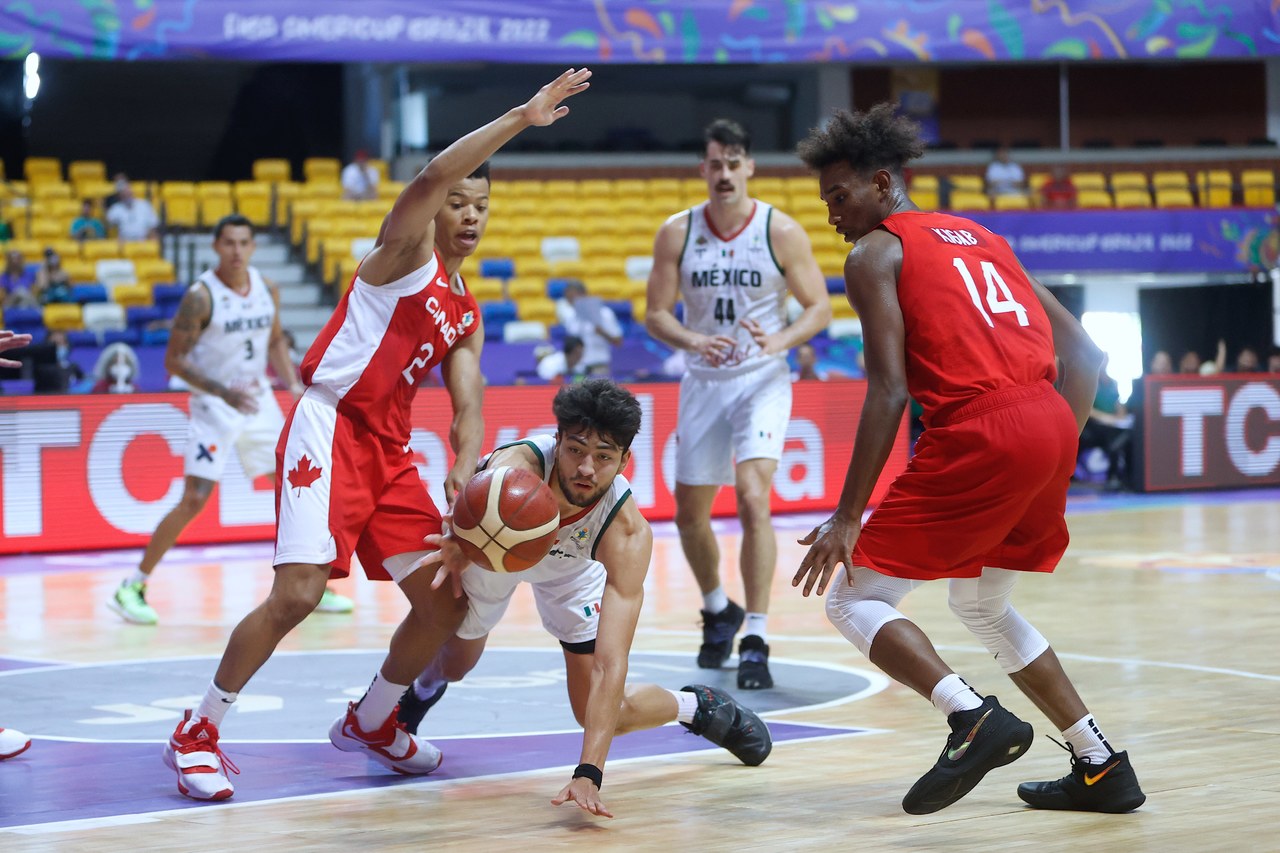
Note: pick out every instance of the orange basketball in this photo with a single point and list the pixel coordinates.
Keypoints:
(505, 519)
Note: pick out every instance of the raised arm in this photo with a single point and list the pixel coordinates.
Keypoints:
(465, 384)
(408, 231)
(194, 313)
(871, 277)
(625, 549)
(805, 282)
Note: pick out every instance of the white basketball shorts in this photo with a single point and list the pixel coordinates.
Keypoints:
(731, 419)
(567, 596)
(215, 428)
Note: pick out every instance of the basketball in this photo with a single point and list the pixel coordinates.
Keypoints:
(505, 519)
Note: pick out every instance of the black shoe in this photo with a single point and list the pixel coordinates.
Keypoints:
(753, 664)
(412, 709)
(981, 740)
(721, 720)
(717, 635)
(1110, 786)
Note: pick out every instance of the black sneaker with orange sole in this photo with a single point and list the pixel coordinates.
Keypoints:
(1109, 786)
(981, 740)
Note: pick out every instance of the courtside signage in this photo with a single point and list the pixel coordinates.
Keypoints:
(100, 471)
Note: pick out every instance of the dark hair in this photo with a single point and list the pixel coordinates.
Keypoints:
(599, 404)
(571, 343)
(231, 220)
(728, 133)
(482, 171)
(876, 139)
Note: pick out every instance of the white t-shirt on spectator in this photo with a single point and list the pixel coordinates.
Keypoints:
(553, 366)
(359, 182)
(134, 220)
(1004, 178)
(586, 319)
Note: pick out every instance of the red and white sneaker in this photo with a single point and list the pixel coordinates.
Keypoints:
(13, 743)
(201, 766)
(391, 746)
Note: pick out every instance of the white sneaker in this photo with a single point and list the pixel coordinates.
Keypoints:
(193, 753)
(391, 746)
(13, 743)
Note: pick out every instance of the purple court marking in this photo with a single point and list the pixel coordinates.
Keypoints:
(7, 664)
(47, 783)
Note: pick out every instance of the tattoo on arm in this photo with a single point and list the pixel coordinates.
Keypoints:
(193, 316)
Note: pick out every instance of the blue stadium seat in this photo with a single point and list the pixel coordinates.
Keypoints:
(139, 316)
(128, 336)
(82, 338)
(84, 293)
(835, 284)
(504, 268)
(496, 315)
(556, 286)
(24, 321)
(167, 297)
(155, 337)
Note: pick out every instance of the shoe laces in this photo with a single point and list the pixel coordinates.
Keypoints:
(203, 737)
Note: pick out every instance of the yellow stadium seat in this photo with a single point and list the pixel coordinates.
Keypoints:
(918, 182)
(178, 204)
(321, 189)
(968, 183)
(969, 200)
(598, 207)
(132, 295)
(215, 201)
(1214, 188)
(539, 309)
(42, 169)
(1132, 199)
(390, 189)
(382, 168)
(79, 171)
(96, 250)
(324, 169)
(1170, 180)
(272, 170)
(51, 189)
(153, 271)
(595, 187)
(66, 247)
(284, 194)
(333, 250)
(1089, 181)
(1258, 188)
(559, 189)
(253, 200)
(764, 187)
(140, 249)
(1128, 181)
(925, 199)
(486, 289)
(1094, 199)
(1174, 197)
(300, 212)
(1036, 180)
(521, 289)
(1016, 201)
(62, 317)
(80, 271)
(47, 229)
(94, 190)
(626, 189)
(664, 186)
(840, 306)
(31, 250)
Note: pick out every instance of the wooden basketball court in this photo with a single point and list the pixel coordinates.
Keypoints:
(1164, 611)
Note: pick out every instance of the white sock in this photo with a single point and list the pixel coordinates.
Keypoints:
(953, 694)
(215, 705)
(137, 577)
(686, 705)
(757, 624)
(425, 690)
(1087, 742)
(715, 601)
(378, 703)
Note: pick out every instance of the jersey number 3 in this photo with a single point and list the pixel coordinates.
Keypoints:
(998, 305)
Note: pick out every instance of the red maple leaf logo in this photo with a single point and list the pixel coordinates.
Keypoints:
(303, 474)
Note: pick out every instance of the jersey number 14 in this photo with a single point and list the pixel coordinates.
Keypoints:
(998, 305)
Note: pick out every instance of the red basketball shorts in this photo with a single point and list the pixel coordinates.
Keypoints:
(987, 487)
(341, 490)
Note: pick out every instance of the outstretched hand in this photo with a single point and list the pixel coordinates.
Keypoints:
(8, 340)
(447, 556)
(545, 107)
(585, 793)
(830, 545)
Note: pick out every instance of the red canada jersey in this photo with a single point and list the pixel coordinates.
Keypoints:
(381, 341)
(973, 324)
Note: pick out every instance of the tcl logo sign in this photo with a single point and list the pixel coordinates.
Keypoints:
(1222, 432)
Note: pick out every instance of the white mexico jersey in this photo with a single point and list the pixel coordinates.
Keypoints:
(232, 349)
(725, 279)
(579, 536)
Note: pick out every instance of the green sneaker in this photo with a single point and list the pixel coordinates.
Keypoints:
(331, 602)
(130, 601)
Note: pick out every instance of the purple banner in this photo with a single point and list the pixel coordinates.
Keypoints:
(1140, 241)
(578, 32)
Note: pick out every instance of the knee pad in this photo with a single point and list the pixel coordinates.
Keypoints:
(982, 605)
(860, 609)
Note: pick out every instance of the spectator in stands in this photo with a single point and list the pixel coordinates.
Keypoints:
(588, 318)
(64, 374)
(6, 231)
(359, 178)
(1059, 192)
(119, 179)
(1273, 360)
(563, 366)
(52, 282)
(1109, 427)
(1161, 364)
(807, 365)
(133, 218)
(16, 282)
(1005, 177)
(116, 370)
(1190, 362)
(1247, 361)
(86, 226)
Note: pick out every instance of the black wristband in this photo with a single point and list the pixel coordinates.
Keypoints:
(590, 771)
